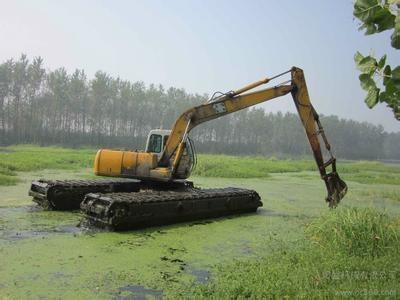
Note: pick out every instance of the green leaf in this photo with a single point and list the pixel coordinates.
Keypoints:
(364, 10)
(374, 15)
(397, 20)
(387, 72)
(358, 57)
(395, 39)
(384, 19)
(367, 65)
(367, 82)
(372, 97)
(396, 77)
(396, 73)
(391, 99)
(369, 28)
(382, 62)
(384, 97)
(390, 95)
(390, 86)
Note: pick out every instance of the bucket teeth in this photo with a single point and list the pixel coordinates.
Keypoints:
(337, 189)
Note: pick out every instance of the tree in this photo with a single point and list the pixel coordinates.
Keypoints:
(380, 80)
(5, 87)
(55, 107)
(36, 74)
(78, 92)
(59, 110)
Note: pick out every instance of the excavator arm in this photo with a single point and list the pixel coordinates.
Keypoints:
(237, 100)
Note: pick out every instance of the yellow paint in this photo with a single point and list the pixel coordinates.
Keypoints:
(305, 110)
(163, 174)
(118, 163)
(178, 156)
(129, 160)
(108, 162)
(145, 162)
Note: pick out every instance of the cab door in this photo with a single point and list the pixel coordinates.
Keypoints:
(156, 143)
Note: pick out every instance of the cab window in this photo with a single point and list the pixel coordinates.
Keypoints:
(155, 143)
(165, 140)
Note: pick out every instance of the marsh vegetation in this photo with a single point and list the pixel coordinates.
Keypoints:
(293, 246)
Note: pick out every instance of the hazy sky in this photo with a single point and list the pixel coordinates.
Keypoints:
(204, 46)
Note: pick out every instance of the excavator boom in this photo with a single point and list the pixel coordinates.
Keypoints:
(237, 100)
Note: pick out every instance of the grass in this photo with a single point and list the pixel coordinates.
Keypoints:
(382, 194)
(349, 252)
(8, 180)
(33, 158)
(369, 172)
(28, 158)
(356, 232)
(7, 176)
(248, 167)
(374, 178)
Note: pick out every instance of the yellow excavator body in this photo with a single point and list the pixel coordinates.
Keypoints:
(157, 192)
(129, 164)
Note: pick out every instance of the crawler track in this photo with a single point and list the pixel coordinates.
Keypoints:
(68, 194)
(121, 211)
(120, 204)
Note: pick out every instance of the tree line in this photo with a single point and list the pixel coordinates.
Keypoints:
(54, 107)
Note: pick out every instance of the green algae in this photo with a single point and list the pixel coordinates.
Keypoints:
(99, 264)
(45, 256)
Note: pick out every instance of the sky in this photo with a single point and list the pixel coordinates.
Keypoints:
(204, 46)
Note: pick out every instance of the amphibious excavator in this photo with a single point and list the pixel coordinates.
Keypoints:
(150, 186)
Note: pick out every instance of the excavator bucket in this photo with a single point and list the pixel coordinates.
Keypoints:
(336, 187)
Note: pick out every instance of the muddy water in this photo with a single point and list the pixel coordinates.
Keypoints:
(30, 221)
(45, 255)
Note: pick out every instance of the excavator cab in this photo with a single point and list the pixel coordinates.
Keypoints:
(156, 141)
